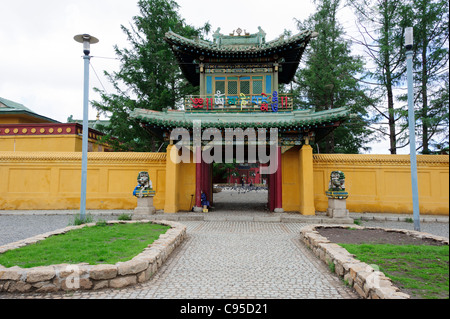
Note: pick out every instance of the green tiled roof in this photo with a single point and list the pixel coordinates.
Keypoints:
(94, 124)
(287, 52)
(210, 47)
(10, 107)
(294, 119)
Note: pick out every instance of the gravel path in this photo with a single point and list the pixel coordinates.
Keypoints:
(238, 202)
(439, 229)
(14, 228)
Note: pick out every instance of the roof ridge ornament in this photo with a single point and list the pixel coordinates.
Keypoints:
(252, 39)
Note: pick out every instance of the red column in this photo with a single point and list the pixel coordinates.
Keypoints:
(198, 176)
(275, 182)
(272, 185)
(206, 180)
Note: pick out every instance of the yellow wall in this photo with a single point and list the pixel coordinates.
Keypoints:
(35, 180)
(382, 183)
(297, 180)
(10, 120)
(21, 119)
(186, 186)
(63, 143)
(180, 182)
(290, 167)
(45, 143)
(376, 183)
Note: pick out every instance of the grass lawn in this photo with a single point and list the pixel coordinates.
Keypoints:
(421, 271)
(100, 244)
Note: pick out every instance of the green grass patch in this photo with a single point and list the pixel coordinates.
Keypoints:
(99, 244)
(420, 270)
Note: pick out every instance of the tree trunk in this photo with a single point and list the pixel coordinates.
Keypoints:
(387, 69)
(425, 146)
(424, 86)
(392, 138)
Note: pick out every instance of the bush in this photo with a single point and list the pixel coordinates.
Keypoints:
(78, 221)
(124, 217)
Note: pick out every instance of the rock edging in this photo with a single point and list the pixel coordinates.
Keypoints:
(367, 281)
(66, 277)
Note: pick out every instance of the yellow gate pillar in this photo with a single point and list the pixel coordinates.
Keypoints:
(306, 179)
(172, 179)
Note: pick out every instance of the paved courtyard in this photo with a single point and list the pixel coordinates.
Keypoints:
(224, 256)
(232, 260)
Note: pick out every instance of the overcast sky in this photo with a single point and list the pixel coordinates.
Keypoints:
(41, 66)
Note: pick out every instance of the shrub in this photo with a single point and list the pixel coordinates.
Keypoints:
(124, 217)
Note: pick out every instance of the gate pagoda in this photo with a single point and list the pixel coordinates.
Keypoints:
(239, 76)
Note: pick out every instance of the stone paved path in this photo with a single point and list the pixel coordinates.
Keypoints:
(232, 259)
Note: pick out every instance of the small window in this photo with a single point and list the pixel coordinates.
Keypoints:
(257, 86)
(220, 86)
(232, 87)
(235, 85)
(245, 87)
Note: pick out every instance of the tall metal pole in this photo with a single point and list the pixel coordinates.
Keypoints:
(412, 133)
(84, 149)
(86, 39)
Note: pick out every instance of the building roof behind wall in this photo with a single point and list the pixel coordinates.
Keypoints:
(9, 108)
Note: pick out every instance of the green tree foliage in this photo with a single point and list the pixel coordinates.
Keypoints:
(381, 25)
(329, 80)
(431, 35)
(149, 76)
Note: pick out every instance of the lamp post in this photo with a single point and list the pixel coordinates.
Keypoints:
(411, 124)
(86, 39)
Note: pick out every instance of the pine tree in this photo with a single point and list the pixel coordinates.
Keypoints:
(381, 24)
(149, 75)
(329, 80)
(431, 35)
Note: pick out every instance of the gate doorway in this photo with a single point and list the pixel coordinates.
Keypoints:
(240, 186)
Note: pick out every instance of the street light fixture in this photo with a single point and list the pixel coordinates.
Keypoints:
(86, 39)
(411, 124)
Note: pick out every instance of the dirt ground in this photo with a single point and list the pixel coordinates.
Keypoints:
(380, 236)
(372, 236)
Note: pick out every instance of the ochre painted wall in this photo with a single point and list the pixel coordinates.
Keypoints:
(376, 183)
(48, 137)
(297, 179)
(180, 181)
(61, 143)
(47, 180)
(186, 186)
(21, 119)
(382, 183)
(290, 167)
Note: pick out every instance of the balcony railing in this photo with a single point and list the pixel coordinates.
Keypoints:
(239, 103)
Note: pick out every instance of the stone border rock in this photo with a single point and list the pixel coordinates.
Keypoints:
(367, 281)
(65, 277)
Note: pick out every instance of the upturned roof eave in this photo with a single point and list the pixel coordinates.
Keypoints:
(289, 52)
(209, 47)
(300, 118)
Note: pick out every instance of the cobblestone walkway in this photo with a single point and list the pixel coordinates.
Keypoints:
(232, 259)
